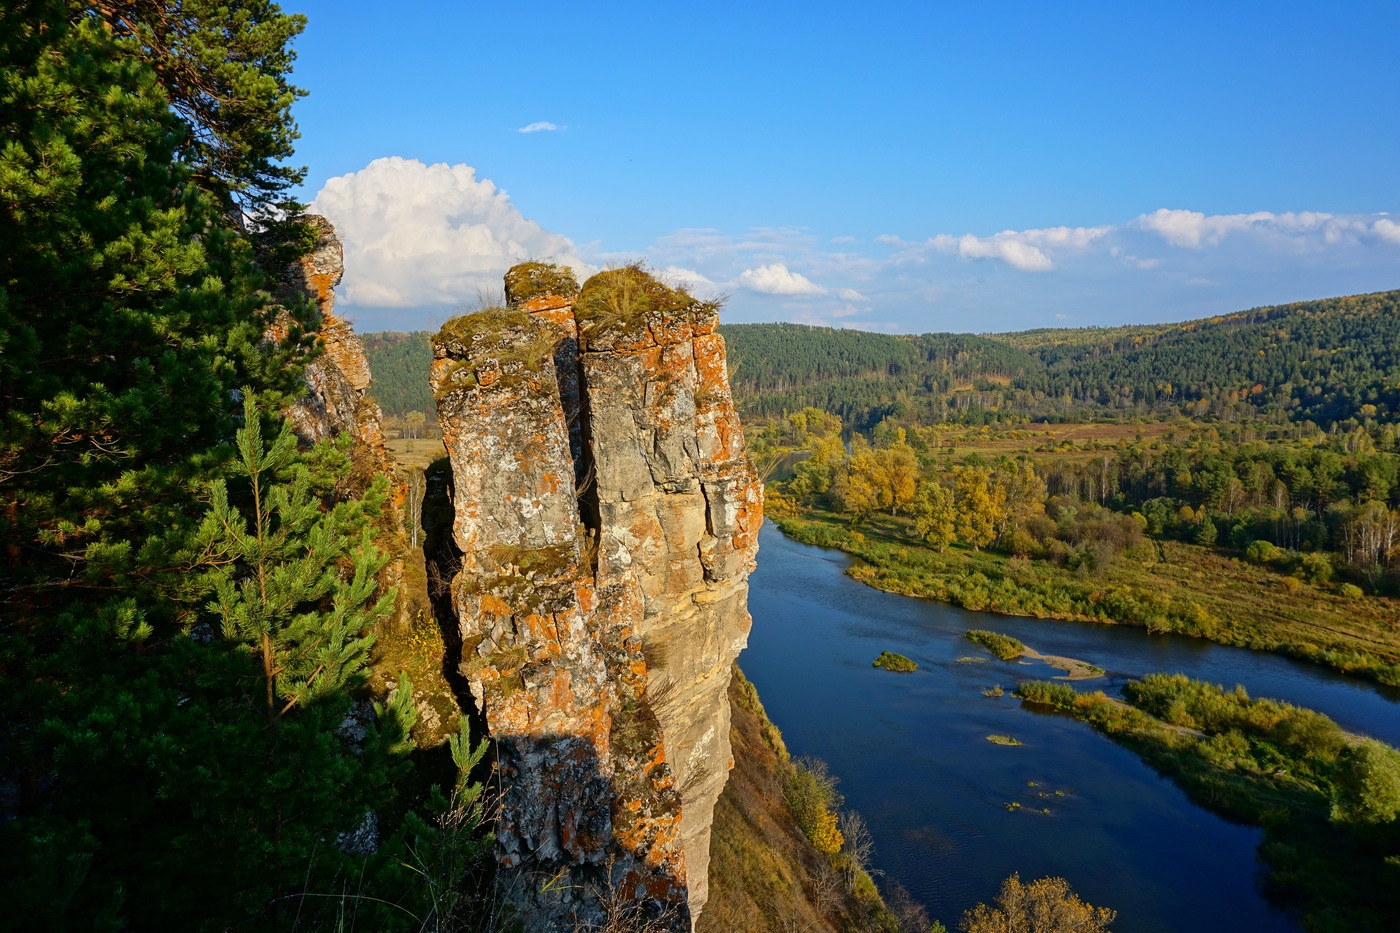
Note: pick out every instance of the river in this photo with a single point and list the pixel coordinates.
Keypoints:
(912, 754)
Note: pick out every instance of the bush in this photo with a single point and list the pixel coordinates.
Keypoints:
(1368, 784)
(1003, 646)
(1047, 693)
(1045, 906)
(811, 796)
(1315, 568)
(895, 662)
(1350, 591)
(1262, 552)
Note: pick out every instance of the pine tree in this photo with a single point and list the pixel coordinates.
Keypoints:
(272, 577)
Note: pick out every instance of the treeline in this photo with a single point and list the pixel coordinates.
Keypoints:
(1329, 362)
(1313, 512)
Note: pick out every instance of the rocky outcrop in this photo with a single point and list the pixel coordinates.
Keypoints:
(607, 520)
(337, 381)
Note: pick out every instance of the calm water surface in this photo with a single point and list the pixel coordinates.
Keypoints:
(913, 758)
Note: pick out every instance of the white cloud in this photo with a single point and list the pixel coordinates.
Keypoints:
(776, 279)
(697, 283)
(422, 235)
(1388, 230)
(543, 126)
(1021, 249)
(1306, 230)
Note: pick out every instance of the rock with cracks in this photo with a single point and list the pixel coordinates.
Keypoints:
(607, 520)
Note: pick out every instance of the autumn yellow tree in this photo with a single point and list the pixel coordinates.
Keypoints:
(1023, 491)
(935, 518)
(1043, 906)
(980, 506)
(899, 474)
(859, 484)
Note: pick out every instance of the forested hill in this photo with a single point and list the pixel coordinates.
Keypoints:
(1320, 360)
(1324, 361)
(400, 364)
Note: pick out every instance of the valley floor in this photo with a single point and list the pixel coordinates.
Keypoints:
(1164, 586)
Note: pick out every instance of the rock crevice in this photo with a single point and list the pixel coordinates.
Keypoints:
(607, 520)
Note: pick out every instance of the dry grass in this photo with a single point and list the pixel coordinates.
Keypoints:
(765, 875)
(415, 453)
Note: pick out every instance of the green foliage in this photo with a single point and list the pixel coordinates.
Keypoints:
(1324, 361)
(1368, 783)
(1003, 646)
(224, 68)
(172, 779)
(891, 661)
(1206, 534)
(400, 363)
(271, 579)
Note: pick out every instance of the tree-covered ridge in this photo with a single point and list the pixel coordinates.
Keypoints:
(860, 375)
(400, 364)
(1325, 361)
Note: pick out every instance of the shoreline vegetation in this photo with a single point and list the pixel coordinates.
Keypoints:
(1327, 800)
(1171, 587)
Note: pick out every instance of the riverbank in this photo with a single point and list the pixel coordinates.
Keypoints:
(1168, 587)
(766, 875)
(1290, 771)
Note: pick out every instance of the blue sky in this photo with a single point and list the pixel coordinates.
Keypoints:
(893, 166)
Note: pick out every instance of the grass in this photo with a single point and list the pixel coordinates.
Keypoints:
(506, 336)
(1167, 586)
(1260, 762)
(622, 300)
(1003, 646)
(1003, 740)
(895, 662)
(415, 453)
(533, 278)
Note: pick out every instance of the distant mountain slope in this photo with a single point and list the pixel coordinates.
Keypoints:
(1321, 360)
(399, 365)
(1325, 361)
(860, 375)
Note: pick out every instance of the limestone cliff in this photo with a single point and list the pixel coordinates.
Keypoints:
(337, 381)
(607, 521)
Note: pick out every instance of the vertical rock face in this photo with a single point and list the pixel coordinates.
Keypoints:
(607, 520)
(337, 382)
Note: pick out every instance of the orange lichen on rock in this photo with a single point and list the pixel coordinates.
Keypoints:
(582, 601)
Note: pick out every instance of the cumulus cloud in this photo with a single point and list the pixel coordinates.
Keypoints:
(1021, 249)
(420, 235)
(1302, 229)
(1388, 230)
(543, 126)
(777, 279)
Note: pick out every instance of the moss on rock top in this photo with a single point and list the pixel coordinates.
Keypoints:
(530, 279)
(624, 298)
(518, 346)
